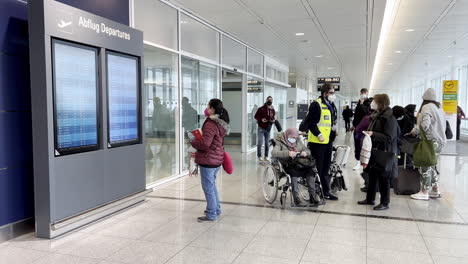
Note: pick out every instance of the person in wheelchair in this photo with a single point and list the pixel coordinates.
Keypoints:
(297, 161)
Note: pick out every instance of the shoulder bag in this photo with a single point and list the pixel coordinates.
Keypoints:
(424, 152)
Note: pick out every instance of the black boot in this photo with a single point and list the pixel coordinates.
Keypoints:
(297, 200)
(314, 199)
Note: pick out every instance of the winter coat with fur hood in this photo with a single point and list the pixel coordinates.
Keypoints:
(210, 149)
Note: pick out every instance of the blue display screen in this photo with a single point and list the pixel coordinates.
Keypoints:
(122, 83)
(75, 95)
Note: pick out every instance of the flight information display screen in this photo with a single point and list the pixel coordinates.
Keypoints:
(75, 76)
(123, 103)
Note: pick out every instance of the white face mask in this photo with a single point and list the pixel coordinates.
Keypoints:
(292, 140)
(373, 106)
(363, 96)
(332, 98)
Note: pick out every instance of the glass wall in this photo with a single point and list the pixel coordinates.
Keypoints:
(161, 95)
(255, 61)
(163, 31)
(280, 97)
(199, 39)
(234, 53)
(200, 83)
(254, 101)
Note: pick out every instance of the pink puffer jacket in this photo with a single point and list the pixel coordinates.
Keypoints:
(210, 150)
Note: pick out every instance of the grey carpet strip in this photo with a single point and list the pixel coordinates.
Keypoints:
(314, 210)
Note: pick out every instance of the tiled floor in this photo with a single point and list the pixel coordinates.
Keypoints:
(164, 230)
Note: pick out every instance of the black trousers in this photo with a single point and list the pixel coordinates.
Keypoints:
(458, 128)
(303, 173)
(347, 125)
(322, 154)
(382, 179)
(357, 147)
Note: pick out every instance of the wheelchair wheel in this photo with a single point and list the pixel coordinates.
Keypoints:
(270, 184)
(283, 199)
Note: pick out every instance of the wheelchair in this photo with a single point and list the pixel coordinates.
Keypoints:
(275, 180)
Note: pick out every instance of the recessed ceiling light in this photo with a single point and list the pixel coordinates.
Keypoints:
(409, 30)
(449, 56)
(319, 56)
(330, 68)
(183, 22)
(390, 63)
(300, 34)
(397, 51)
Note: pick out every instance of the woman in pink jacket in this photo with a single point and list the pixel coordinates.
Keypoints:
(210, 153)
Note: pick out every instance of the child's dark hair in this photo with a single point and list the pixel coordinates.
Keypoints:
(217, 105)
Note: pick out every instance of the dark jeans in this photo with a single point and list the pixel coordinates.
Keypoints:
(303, 173)
(263, 135)
(357, 147)
(380, 179)
(347, 125)
(322, 154)
(458, 128)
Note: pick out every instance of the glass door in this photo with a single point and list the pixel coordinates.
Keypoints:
(200, 84)
(254, 100)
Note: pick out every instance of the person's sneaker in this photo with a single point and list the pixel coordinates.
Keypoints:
(358, 166)
(435, 194)
(266, 159)
(202, 219)
(205, 212)
(420, 196)
(331, 197)
(260, 159)
(364, 189)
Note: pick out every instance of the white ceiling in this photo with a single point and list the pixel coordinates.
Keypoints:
(429, 49)
(341, 31)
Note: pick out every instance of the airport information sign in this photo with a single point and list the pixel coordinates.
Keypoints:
(123, 93)
(75, 96)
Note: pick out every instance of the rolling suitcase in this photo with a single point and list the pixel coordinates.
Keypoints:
(408, 180)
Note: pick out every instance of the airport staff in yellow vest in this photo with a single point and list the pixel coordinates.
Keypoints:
(321, 125)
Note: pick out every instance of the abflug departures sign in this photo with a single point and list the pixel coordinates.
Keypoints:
(86, 115)
(64, 21)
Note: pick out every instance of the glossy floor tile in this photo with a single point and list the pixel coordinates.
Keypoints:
(163, 229)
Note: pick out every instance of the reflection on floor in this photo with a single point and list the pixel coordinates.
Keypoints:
(164, 230)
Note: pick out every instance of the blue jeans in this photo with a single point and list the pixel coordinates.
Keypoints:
(262, 134)
(208, 181)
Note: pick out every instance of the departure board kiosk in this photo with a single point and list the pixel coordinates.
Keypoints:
(86, 76)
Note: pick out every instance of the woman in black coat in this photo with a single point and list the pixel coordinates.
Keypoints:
(383, 130)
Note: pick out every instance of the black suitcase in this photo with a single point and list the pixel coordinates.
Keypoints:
(408, 180)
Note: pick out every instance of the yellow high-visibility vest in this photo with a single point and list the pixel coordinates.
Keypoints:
(325, 124)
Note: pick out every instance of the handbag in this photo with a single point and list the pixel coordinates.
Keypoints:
(424, 152)
(278, 125)
(227, 163)
(382, 159)
(448, 130)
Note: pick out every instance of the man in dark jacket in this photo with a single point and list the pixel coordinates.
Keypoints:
(361, 110)
(320, 123)
(265, 117)
(347, 114)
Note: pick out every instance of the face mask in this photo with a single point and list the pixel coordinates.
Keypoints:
(269, 103)
(332, 98)
(363, 96)
(206, 112)
(373, 106)
(292, 140)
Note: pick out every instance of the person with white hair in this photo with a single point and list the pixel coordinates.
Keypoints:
(431, 119)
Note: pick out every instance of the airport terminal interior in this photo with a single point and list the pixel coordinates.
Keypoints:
(114, 147)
